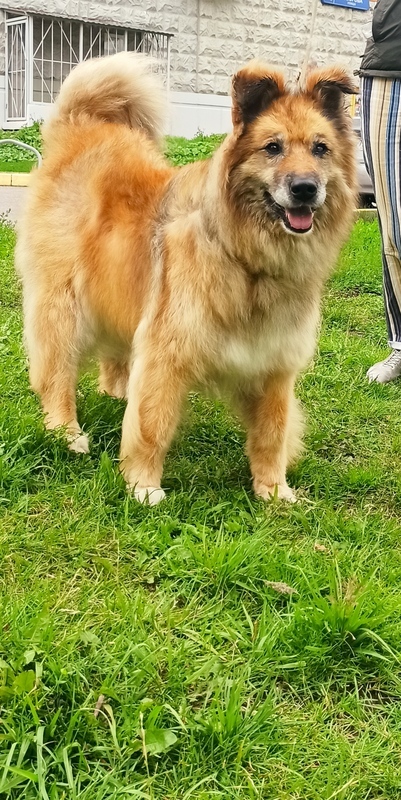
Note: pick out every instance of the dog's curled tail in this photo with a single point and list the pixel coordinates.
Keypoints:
(118, 88)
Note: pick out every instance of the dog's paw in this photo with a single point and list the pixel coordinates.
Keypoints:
(118, 390)
(78, 444)
(281, 491)
(150, 495)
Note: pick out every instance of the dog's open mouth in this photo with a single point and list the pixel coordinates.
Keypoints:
(299, 220)
(296, 220)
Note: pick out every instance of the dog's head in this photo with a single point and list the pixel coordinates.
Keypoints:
(289, 149)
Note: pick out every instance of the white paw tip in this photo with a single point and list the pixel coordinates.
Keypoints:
(279, 492)
(149, 494)
(290, 497)
(79, 444)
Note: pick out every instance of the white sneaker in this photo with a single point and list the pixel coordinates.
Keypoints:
(387, 370)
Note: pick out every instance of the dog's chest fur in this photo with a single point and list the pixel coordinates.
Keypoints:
(279, 343)
(278, 332)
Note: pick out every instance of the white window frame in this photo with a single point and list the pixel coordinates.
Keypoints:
(11, 23)
(155, 42)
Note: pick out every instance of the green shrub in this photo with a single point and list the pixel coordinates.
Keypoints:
(11, 154)
(177, 149)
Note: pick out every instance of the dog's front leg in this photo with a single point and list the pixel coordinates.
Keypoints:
(273, 427)
(156, 390)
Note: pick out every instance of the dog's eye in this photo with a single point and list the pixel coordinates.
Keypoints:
(273, 148)
(320, 149)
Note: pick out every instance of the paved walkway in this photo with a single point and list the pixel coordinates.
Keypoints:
(11, 202)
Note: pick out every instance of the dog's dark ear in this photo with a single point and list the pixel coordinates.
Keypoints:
(253, 89)
(328, 87)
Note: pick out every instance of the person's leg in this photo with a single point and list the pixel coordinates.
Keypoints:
(381, 127)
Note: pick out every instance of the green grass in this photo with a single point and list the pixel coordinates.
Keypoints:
(17, 166)
(218, 681)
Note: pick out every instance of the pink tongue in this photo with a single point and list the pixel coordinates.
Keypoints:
(300, 222)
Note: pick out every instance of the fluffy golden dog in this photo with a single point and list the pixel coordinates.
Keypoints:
(206, 275)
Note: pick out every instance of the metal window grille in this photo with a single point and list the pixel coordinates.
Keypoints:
(156, 45)
(57, 45)
(55, 52)
(16, 61)
(100, 41)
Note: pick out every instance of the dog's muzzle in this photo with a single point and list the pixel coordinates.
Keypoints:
(303, 193)
(295, 202)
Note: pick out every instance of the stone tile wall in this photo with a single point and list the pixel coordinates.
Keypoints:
(214, 37)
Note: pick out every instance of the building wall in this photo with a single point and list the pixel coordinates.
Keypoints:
(212, 38)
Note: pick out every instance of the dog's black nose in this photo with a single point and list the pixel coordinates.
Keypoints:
(303, 190)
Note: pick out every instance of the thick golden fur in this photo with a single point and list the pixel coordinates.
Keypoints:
(179, 278)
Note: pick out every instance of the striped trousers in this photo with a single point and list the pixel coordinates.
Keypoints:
(381, 139)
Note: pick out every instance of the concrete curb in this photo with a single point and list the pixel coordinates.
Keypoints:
(14, 178)
(368, 214)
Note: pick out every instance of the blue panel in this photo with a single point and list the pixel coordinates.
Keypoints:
(360, 5)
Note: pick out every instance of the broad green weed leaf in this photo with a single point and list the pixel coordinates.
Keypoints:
(158, 740)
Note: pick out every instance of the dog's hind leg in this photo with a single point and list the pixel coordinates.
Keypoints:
(113, 377)
(54, 340)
